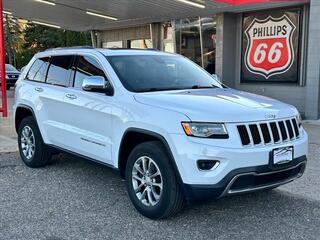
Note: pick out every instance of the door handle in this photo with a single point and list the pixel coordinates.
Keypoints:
(38, 89)
(71, 96)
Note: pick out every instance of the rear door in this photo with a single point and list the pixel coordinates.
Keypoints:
(51, 104)
(88, 115)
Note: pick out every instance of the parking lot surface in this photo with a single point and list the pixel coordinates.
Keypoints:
(75, 199)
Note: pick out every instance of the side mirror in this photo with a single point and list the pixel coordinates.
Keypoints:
(97, 84)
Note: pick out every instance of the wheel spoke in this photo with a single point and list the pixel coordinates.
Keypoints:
(155, 194)
(139, 188)
(151, 201)
(29, 153)
(137, 178)
(157, 173)
(144, 164)
(24, 134)
(157, 185)
(143, 194)
(136, 166)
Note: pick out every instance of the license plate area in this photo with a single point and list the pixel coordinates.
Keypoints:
(282, 155)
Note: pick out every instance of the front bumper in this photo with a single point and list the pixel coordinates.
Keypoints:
(249, 179)
(237, 165)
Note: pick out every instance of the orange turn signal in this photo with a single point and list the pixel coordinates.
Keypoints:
(186, 128)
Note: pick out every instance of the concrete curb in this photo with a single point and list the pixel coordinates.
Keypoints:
(311, 122)
(8, 144)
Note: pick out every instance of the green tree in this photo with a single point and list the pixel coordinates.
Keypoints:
(38, 38)
(13, 38)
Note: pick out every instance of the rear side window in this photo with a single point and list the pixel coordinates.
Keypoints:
(86, 66)
(38, 70)
(60, 70)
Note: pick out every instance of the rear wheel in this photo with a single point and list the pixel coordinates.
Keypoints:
(8, 87)
(151, 182)
(34, 153)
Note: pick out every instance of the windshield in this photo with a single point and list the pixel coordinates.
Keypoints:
(10, 68)
(145, 73)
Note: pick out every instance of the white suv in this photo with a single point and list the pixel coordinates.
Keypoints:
(170, 129)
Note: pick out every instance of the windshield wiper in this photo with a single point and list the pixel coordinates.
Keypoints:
(154, 89)
(202, 87)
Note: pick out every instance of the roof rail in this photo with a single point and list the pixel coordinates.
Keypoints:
(146, 49)
(73, 47)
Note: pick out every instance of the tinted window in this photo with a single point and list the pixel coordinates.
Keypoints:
(156, 72)
(38, 70)
(60, 70)
(86, 66)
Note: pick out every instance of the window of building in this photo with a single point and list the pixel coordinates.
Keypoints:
(168, 45)
(195, 38)
(188, 39)
(60, 70)
(140, 43)
(38, 70)
(86, 66)
(115, 44)
(208, 30)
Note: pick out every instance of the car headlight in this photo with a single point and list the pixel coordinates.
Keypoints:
(205, 130)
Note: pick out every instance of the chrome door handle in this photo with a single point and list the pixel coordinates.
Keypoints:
(38, 89)
(71, 96)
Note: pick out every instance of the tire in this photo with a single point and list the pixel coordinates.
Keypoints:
(41, 154)
(8, 87)
(170, 198)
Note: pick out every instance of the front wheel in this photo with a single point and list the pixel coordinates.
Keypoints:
(151, 182)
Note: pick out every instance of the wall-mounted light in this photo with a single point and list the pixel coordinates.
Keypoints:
(101, 15)
(46, 2)
(195, 4)
(47, 24)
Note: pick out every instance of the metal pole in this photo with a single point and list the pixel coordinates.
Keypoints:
(4, 107)
(201, 43)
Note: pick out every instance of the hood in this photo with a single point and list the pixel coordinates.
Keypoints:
(218, 105)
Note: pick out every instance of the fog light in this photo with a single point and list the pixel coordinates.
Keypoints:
(206, 165)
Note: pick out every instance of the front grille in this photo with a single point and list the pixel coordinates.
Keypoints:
(268, 132)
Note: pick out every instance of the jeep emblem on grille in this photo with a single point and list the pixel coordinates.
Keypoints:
(270, 116)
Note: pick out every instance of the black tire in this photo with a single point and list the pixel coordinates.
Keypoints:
(41, 152)
(171, 199)
(8, 87)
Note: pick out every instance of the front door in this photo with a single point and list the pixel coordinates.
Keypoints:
(87, 117)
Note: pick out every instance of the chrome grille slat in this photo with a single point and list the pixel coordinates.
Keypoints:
(270, 132)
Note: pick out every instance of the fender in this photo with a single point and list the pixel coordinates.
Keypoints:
(162, 140)
(21, 105)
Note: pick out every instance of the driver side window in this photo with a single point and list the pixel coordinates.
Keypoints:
(86, 66)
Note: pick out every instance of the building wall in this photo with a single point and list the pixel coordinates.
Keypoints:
(305, 96)
(124, 35)
(313, 63)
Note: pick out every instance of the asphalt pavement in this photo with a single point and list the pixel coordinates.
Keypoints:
(76, 199)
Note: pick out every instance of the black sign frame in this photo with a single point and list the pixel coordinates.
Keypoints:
(276, 79)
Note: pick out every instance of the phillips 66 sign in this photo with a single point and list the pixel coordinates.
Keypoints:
(270, 46)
